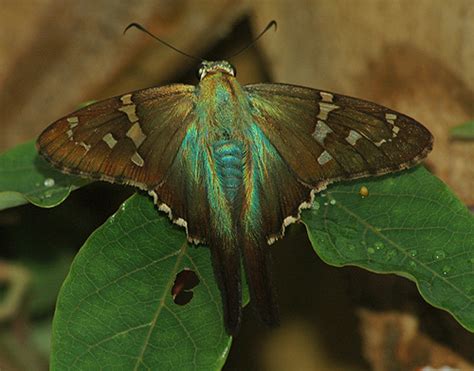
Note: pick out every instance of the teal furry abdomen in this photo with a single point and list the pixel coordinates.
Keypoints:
(229, 158)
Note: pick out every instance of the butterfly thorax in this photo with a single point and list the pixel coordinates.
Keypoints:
(222, 112)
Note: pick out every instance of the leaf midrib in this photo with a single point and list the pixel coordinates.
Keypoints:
(161, 304)
(404, 252)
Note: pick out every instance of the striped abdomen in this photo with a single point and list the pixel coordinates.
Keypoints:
(229, 167)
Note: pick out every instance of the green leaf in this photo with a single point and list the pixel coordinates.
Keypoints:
(464, 131)
(26, 177)
(116, 310)
(410, 225)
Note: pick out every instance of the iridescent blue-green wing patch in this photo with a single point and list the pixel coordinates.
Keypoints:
(301, 140)
(193, 189)
(325, 137)
(273, 199)
(129, 139)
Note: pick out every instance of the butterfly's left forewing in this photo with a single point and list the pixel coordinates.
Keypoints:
(129, 139)
(324, 137)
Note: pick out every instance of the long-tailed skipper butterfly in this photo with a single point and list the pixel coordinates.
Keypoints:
(232, 164)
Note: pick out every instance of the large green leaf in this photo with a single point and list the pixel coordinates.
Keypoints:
(411, 225)
(26, 177)
(115, 309)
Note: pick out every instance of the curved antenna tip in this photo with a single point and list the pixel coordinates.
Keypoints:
(272, 23)
(143, 29)
(133, 24)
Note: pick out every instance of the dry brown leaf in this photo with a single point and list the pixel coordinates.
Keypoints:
(392, 341)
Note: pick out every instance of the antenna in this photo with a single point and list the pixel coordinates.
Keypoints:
(143, 29)
(271, 24)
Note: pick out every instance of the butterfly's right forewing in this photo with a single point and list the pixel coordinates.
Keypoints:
(325, 137)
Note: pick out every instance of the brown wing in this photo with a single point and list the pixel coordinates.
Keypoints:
(130, 139)
(325, 137)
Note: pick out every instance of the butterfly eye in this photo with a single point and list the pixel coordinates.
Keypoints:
(199, 73)
(233, 71)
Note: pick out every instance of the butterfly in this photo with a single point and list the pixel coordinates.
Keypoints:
(234, 165)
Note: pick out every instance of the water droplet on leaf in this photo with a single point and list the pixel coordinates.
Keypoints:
(413, 253)
(412, 264)
(439, 254)
(316, 205)
(332, 202)
(446, 270)
(379, 245)
(49, 182)
(370, 250)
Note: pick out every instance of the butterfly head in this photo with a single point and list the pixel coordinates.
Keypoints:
(208, 67)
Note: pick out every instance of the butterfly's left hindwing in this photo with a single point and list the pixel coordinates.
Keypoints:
(130, 139)
(325, 137)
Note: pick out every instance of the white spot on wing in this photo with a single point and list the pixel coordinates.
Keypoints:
(130, 110)
(86, 146)
(109, 140)
(326, 97)
(289, 220)
(136, 134)
(321, 131)
(294, 218)
(324, 158)
(324, 109)
(69, 134)
(126, 99)
(73, 121)
(390, 117)
(379, 143)
(137, 159)
(179, 221)
(162, 207)
(353, 137)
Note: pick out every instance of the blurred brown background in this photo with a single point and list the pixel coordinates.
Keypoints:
(414, 57)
